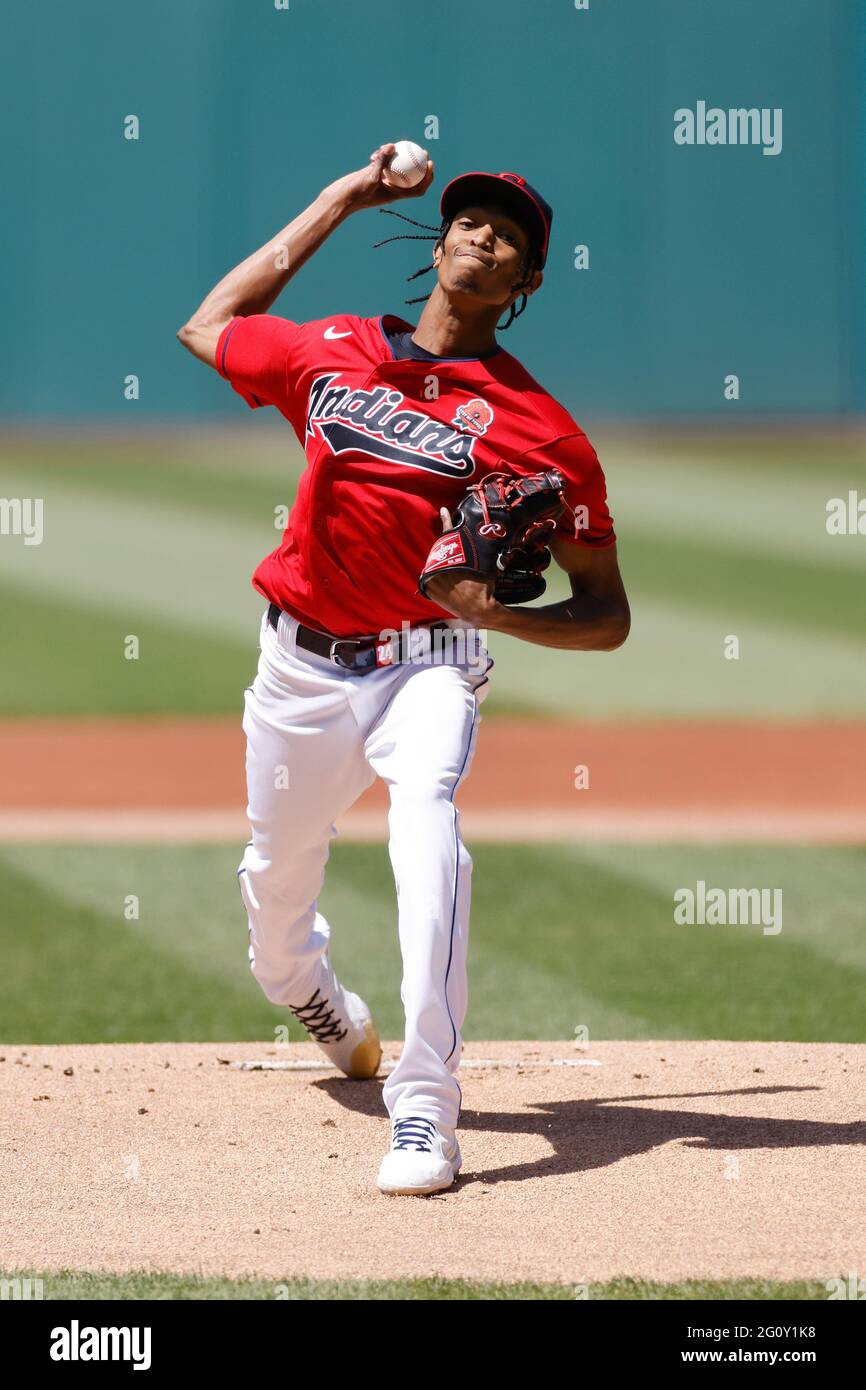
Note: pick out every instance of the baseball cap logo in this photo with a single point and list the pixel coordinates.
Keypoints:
(476, 416)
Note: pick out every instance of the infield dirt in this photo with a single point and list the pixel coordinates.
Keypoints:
(668, 1161)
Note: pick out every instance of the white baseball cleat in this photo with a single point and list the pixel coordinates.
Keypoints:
(423, 1158)
(340, 1022)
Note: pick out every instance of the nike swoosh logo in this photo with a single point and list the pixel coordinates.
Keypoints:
(332, 333)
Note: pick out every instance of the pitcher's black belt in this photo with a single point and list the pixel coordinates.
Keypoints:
(357, 654)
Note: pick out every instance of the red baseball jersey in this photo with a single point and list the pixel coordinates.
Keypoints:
(389, 440)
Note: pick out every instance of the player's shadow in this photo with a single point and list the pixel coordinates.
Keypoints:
(594, 1133)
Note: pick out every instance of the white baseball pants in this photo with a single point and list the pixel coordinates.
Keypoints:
(316, 738)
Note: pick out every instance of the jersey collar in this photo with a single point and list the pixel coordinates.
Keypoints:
(395, 322)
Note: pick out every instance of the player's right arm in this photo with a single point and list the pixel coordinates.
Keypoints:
(252, 286)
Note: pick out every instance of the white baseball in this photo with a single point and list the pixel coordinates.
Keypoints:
(408, 164)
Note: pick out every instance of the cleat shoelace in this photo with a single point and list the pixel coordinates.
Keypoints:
(413, 1133)
(319, 1020)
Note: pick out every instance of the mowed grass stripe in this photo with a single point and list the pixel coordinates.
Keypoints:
(673, 666)
(600, 930)
(191, 912)
(72, 974)
(66, 1285)
(799, 598)
(822, 902)
(559, 940)
(144, 560)
(736, 500)
(241, 477)
(69, 659)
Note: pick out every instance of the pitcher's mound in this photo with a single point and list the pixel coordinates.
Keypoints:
(660, 1160)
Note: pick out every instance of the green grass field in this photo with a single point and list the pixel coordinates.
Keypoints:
(72, 1285)
(158, 536)
(588, 939)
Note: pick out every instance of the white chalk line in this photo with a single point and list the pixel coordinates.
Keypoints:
(470, 1064)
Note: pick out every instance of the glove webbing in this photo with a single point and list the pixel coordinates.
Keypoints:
(501, 482)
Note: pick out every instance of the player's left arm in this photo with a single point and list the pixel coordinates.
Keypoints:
(595, 618)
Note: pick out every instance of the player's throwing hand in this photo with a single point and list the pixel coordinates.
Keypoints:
(371, 188)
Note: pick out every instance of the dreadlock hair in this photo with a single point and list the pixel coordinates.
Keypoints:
(530, 263)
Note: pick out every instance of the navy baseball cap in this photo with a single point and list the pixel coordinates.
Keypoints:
(510, 189)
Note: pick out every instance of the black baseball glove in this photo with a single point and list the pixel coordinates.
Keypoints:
(501, 530)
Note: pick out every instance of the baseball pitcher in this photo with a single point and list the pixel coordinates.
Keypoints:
(441, 478)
